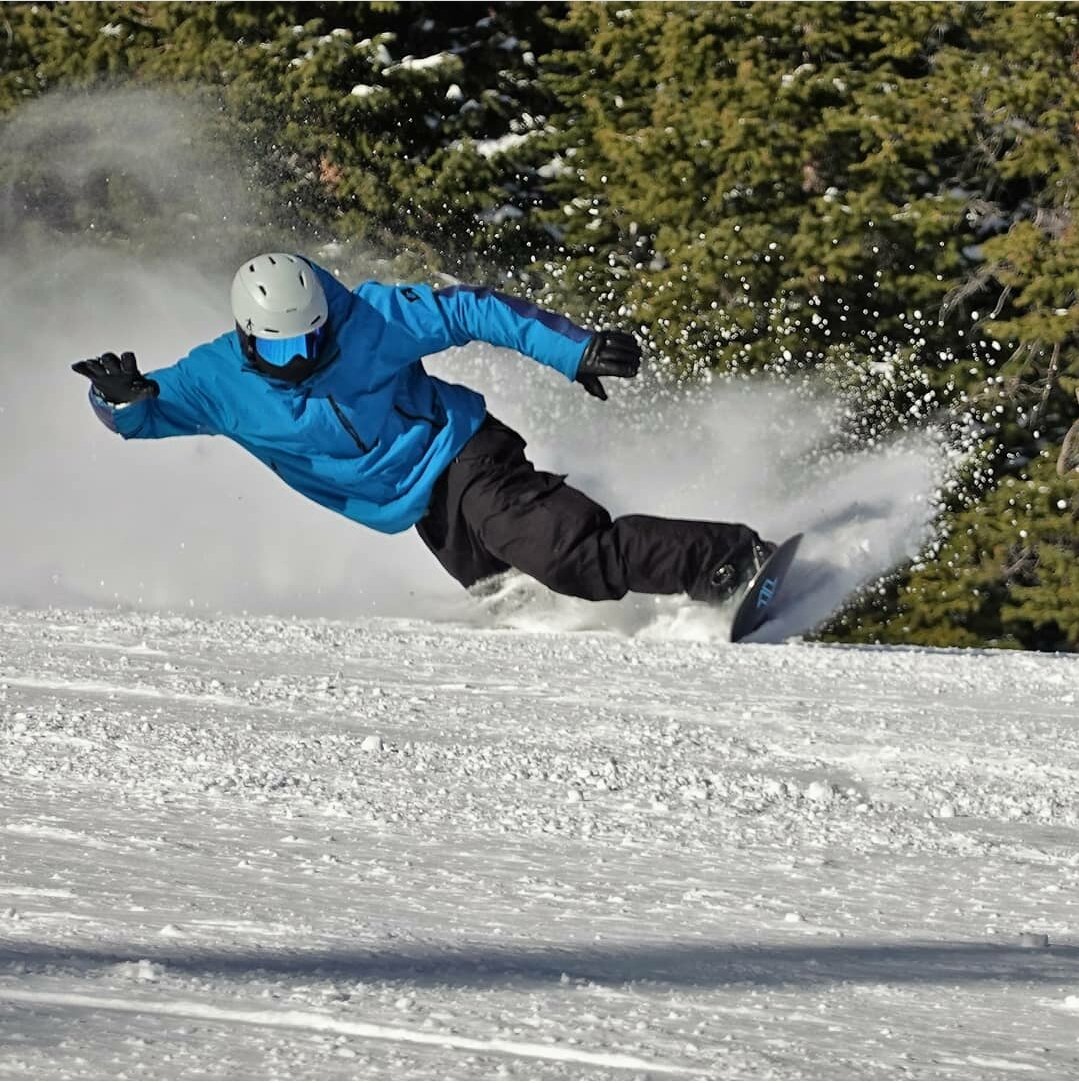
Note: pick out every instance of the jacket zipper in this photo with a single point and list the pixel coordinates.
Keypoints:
(347, 425)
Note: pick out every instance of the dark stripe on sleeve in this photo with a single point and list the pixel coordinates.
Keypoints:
(551, 320)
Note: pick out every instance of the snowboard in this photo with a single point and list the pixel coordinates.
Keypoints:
(759, 602)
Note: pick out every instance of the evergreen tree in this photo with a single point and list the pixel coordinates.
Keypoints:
(1004, 578)
(764, 178)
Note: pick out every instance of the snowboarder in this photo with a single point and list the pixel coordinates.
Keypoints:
(327, 387)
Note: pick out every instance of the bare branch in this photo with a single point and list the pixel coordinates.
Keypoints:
(974, 284)
(1050, 383)
(1000, 302)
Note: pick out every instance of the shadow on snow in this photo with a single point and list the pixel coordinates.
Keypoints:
(685, 963)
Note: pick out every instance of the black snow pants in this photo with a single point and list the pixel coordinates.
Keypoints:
(492, 510)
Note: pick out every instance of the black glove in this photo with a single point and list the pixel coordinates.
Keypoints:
(117, 379)
(610, 353)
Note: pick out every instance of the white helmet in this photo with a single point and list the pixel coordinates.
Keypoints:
(278, 296)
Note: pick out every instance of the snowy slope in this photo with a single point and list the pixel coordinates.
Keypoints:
(245, 847)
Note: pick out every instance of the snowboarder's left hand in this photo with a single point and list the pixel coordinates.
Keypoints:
(610, 353)
(117, 379)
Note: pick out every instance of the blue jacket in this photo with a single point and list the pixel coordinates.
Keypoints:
(370, 432)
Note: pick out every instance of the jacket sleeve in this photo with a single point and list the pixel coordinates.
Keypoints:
(177, 410)
(438, 319)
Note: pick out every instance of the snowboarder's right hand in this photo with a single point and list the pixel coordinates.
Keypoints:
(117, 379)
(610, 353)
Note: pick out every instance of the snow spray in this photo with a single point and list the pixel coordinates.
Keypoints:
(747, 450)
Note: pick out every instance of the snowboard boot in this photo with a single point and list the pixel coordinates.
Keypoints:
(731, 576)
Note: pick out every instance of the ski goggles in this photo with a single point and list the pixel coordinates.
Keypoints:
(280, 351)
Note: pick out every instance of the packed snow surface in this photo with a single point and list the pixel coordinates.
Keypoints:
(398, 849)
